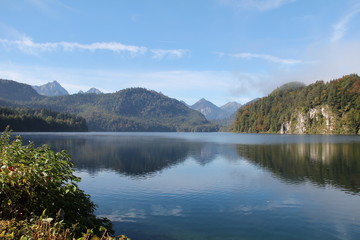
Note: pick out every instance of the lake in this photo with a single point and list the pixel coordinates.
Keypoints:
(219, 185)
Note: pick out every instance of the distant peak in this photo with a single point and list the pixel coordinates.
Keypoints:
(51, 89)
(203, 100)
(94, 90)
(91, 90)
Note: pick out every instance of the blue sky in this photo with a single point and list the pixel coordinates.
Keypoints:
(221, 50)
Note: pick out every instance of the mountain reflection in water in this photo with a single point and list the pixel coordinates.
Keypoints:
(202, 186)
(332, 163)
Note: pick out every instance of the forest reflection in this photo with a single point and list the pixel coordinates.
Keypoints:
(337, 164)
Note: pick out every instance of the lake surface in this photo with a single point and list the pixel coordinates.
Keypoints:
(219, 185)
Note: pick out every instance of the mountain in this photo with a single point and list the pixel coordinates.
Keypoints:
(51, 89)
(213, 112)
(231, 107)
(94, 90)
(91, 90)
(183, 102)
(14, 91)
(320, 108)
(132, 109)
(208, 109)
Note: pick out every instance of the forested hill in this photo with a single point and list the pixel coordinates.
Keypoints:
(133, 109)
(15, 91)
(320, 108)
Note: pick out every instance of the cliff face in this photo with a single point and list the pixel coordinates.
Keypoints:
(320, 108)
(318, 120)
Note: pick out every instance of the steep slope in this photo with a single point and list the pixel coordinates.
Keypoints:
(14, 91)
(51, 89)
(320, 108)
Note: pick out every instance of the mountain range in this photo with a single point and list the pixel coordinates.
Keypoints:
(52, 89)
(294, 108)
(91, 91)
(213, 112)
(207, 108)
(132, 109)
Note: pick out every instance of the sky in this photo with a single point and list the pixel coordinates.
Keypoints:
(220, 50)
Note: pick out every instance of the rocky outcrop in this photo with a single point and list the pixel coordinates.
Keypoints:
(320, 120)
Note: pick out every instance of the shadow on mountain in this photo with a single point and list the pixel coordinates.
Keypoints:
(321, 163)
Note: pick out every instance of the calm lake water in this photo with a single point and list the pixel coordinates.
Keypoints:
(219, 185)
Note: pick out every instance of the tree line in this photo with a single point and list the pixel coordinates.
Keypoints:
(22, 119)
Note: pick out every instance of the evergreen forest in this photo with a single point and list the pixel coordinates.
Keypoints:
(41, 120)
(319, 108)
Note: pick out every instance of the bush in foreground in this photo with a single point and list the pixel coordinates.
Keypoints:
(36, 182)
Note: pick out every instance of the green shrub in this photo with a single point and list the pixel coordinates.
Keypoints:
(34, 179)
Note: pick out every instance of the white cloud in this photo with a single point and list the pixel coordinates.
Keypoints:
(339, 29)
(260, 5)
(252, 85)
(27, 45)
(161, 53)
(333, 61)
(265, 57)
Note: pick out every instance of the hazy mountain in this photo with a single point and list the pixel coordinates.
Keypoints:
(231, 107)
(213, 112)
(320, 108)
(94, 90)
(133, 109)
(208, 109)
(51, 89)
(91, 90)
(183, 102)
(11, 90)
